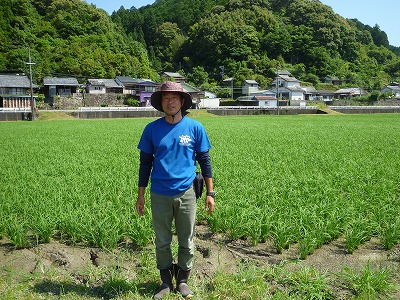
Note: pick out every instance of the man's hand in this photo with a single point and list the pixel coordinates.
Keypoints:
(210, 204)
(140, 205)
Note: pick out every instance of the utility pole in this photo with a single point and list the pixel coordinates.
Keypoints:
(232, 88)
(222, 72)
(277, 91)
(33, 102)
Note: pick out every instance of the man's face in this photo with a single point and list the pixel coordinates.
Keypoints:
(171, 102)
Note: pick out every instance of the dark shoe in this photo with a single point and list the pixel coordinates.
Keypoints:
(166, 286)
(163, 290)
(181, 283)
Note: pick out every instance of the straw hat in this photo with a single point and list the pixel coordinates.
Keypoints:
(174, 87)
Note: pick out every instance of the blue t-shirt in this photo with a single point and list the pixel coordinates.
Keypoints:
(174, 147)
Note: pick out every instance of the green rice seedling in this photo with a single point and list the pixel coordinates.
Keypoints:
(390, 235)
(247, 283)
(307, 245)
(359, 232)
(140, 230)
(367, 283)
(17, 232)
(308, 283)
(116, 285)
(282, 236)
(308, 172)
(43, 228)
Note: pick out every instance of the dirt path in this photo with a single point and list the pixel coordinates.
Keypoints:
(213, 252)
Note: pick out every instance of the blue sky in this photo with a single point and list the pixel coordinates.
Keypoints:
(369, 12)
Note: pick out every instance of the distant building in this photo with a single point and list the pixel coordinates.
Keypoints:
(103, 86)
(55, 86)
(142, 89)
(249, 86)
(310, 93)
(333, 80)
(325, 95)
(288, 88)
(171, 76)
(393, 88)
(15, 91)
(348, 93)
(265, 98)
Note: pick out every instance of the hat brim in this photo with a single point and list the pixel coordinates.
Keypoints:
(156, 97)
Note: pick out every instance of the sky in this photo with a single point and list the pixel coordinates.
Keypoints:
(369, 12)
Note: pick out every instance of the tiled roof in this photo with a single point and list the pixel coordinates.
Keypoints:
(348, 91)
(60, 81)
(325, 92)
(249, 81)
(188, 88)
(111, 83)
(294, 89)
(15, 81)
(269, 97)
(125, 79)
(174, 75)
(288, 78)
(309, 89)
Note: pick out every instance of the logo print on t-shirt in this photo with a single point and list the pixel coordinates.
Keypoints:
(185, 140)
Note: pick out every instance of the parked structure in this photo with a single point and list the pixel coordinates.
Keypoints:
(15, 91)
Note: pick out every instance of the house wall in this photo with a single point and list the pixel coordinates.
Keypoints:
(292, 83)
(267, 103)
(16, 102)
(145, 98)
(297, 96)
(247, 89)
(93, 89)
(209, 103)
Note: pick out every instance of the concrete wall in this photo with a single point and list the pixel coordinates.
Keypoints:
(15, 116)
(262, 111)
(103, 114)
(366, 109)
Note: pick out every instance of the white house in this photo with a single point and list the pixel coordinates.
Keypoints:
(249, 86)
(209, 102)
(288, 88)
(103, 86)
(265, 98)
(310, 93)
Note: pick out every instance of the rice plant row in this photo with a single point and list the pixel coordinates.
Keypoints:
(290, 179)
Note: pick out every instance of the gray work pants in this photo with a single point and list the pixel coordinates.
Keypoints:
(182, 209)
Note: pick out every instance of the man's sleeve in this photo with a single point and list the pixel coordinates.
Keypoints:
(146, 164)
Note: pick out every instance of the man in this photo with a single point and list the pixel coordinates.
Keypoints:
(169, 148)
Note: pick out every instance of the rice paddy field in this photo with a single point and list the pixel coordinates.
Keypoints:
(305, 180)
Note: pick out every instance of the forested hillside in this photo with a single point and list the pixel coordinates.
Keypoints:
(67, 38)
(249, 38)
